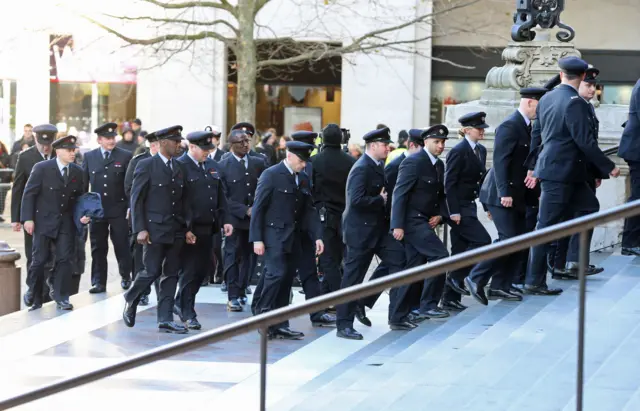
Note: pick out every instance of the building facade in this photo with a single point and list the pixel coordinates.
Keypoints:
(65, 70)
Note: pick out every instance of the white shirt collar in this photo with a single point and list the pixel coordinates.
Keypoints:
(471, 142)
(374, 160)
(526, 119)
(433, 158)
(164, 159)
(212, 155)
(288, 167)
(102, 150)
(60, 165)
(193, 159)
(238, 158)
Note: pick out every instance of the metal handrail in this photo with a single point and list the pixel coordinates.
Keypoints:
(263, 321)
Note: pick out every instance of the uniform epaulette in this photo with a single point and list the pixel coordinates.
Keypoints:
(572, 97)
(141, 154)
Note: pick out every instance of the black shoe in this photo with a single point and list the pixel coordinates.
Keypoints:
(248, 291)
(35, 306)
(574, 268)
(64, 305)
(172, 328)
(516, 289)
(193, 324)
(436, 313)
(28, 298)
(242, 300)
(325, 320)
(631, 251)
(452, 306)
(223, 287)
(456, 285)
(125, 284)
(541, 290)
(416, 318)
(97, 289)
(503, 295)
(349, 334)
(144, 300)
(233, 305)
(285, 333)
(476, 291)
(402, 326)
(332, 310)
(129, 314)
(362, 316)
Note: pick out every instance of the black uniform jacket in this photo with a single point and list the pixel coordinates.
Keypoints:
(281, 208)
(419, 193)
(48, 201)
(159, 204)
(464, 172)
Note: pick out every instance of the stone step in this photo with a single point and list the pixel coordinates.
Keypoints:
(479, 364)
(454, 354)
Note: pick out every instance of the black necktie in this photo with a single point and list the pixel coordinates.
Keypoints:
(46, 156)
(65, 174)
(169, 164)
(201, 165)
(243, 162)
(476, 150)
(106, 155)
(529, 128)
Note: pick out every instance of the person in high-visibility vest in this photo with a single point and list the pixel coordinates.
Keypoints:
(403, 136)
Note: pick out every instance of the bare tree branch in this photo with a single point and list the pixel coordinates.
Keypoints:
(163, 38)
(223, 5)
(176, 21)
(259, 5)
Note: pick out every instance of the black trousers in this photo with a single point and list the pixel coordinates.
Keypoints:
(137, 262)
(161, 261)
(307, 272)
(330, 261)
(274, 286)
(239, 262)
(216, 267)
(468, 235)
(356, 264)
(422, 248)
(558, 200)
(505, 270)
(195, 264)
(631, 232)
(99, 231)
(63, 247)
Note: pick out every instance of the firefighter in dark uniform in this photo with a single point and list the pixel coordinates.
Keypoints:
(564, 259)
(216, 267)
(308, 270)
(240, 173)
(47, 211)
(365, 230)
(134, 247)
(330, 171)
(42, 150)
(105, 168)
(568, 147)
(160, 214)
(283, 215)
(208, 209)
(505, 195)
(418, 207)
(465, 168)
(412, 143)
(250, 131)
(630, 151)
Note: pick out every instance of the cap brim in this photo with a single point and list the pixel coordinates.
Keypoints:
(108, 135)
(46, 142)
(301, 156)
(207, 146)
(437, 136)
(483, 125)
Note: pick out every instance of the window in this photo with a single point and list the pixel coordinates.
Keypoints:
(445, 93)
(615, 93)
(272, 99)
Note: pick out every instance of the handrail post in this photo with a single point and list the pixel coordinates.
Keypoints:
(584, 257)
(263, 368)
